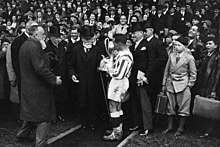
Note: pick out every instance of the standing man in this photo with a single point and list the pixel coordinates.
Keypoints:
(37, 82)
(15, 48)
(85, 59)
(140, 101)
(154, 72)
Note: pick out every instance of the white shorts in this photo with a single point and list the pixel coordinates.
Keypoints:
(117, 89)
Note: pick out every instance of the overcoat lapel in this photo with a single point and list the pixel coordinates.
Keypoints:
(137, 50)
(82, 52)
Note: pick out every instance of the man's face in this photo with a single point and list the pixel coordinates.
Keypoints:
(210, 46)
(193, 32)
(123, 20)
(92, 17)
(74, 34)
(148, 33)
(40, 34)
(136, 36)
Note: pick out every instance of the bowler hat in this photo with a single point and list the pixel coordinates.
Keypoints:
(87, 31)
(54, 31)
(136, 26)
(147, 24)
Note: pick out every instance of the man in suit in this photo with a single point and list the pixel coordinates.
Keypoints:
(37, 81)
(155, 70)
(84, 63)
(140, 101)
(15, 47)
(179, 77)
(57, 55)
(195, 45)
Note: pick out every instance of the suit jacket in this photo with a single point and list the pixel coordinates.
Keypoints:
(198, 51)
(37, 81)
(141, 60)
(177, 76)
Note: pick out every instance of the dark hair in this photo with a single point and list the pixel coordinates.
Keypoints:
(120, 38)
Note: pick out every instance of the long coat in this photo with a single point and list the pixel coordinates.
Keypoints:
(15, 48)
(155, 69)
(209, 75)
(84, 67)
(140, 101)
(177, 76)
(4, 81)
(37, 82)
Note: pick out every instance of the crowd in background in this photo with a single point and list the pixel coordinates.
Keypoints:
(197, 20)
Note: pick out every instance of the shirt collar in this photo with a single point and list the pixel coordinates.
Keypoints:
(149, 38)
(138, 42)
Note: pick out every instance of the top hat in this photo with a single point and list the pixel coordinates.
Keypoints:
(54, 31)
(136, 26)
(147, 24)
(87, 32)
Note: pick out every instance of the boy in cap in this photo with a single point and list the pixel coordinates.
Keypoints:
(179, 77)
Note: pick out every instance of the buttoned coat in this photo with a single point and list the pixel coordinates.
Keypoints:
(84, 66)
(177, 76)
(37, 83)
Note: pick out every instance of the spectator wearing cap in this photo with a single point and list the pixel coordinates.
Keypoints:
(209, 78)
(141, 115)
(49, 13)
(181, 19)
(207, 29)
(159, 22)
(57, 55)
(84, 61)
(179, 77)
(215, 18)
(154, 72)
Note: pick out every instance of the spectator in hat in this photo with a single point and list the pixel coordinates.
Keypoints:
(84, 61)
(141, 117)
(209, 79)
(39, 18)
(49, 14)
(181, 19)
(179, 77)
(195, 45)
(57, 55)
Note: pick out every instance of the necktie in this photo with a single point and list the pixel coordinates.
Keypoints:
(177, 58)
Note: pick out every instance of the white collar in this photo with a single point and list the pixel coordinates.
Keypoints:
(138, 42)
(149, 38)
(74, 40)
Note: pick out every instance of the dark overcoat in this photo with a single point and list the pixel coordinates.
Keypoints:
(84, 67)
(209, 75)
(15, 48)
(37, 82)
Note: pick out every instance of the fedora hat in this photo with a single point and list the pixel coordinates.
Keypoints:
(87, 32)
(54, 31)
(136, 26)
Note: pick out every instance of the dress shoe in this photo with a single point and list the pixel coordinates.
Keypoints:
(144, 133)
(134, 128)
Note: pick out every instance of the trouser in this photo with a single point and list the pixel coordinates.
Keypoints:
(41, 132)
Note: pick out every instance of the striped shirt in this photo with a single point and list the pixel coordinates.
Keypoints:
(122, 65)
